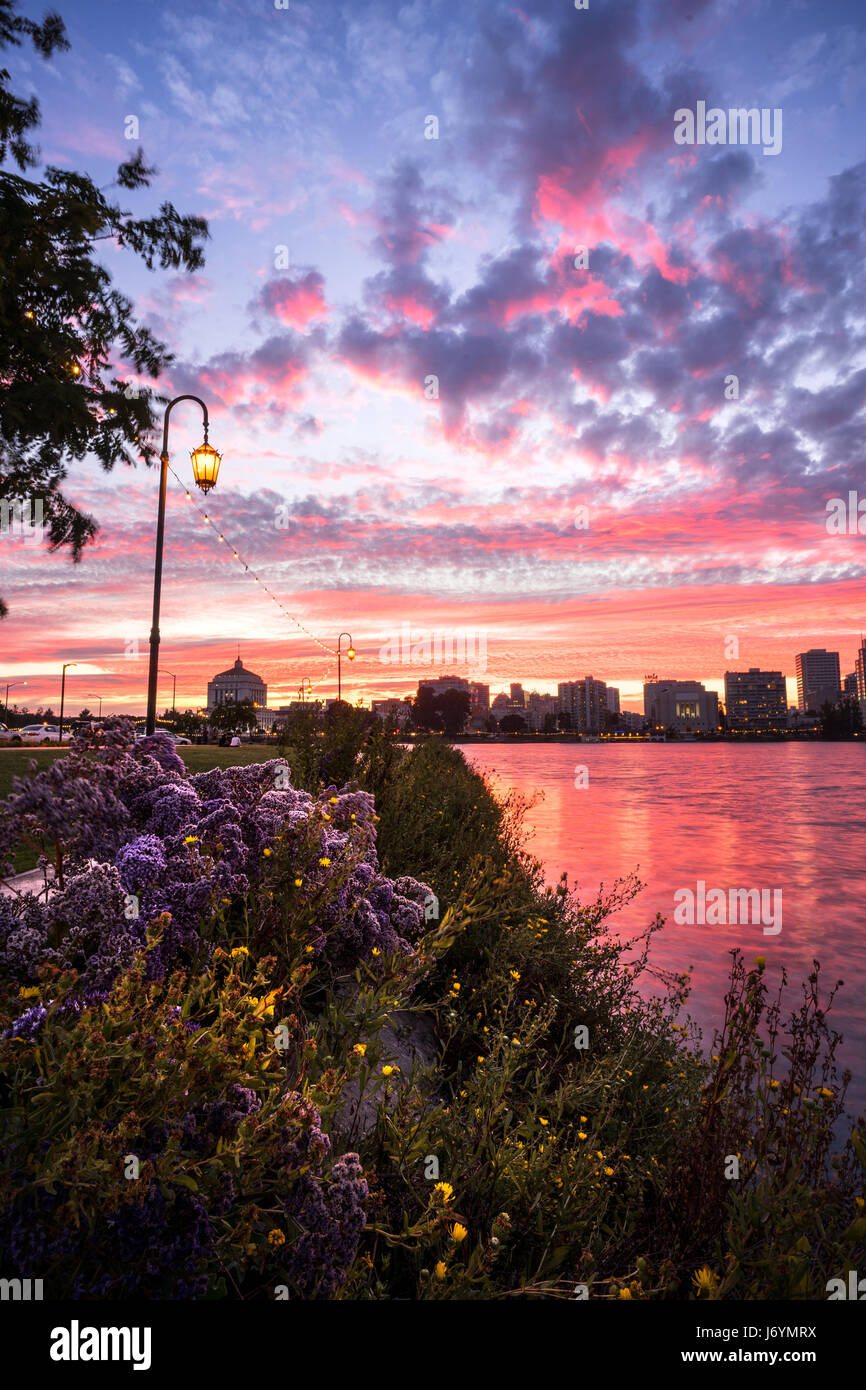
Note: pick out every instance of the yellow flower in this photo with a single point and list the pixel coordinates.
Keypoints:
(325, 816)
(267, 853)
(333, 801)
(376, 951)
(515, 974)
(609, 1172)
(760, 961)
(28, 992)
(386, 1071)
(309, 950)
(859, 1202)
(239, 951)
(191, 840)
(705, 1281)
(445, 1190)
(324, 863)
(458, 1232)
(441, 1269)
(276, 1238)
(299, 882)
(625, 1293)
(774, 1085)
(360, 1049)
(543, 1122)
(822, 1091)
(581, 1134)
(584, 1120)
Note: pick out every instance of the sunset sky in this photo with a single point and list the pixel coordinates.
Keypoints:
(363, 504)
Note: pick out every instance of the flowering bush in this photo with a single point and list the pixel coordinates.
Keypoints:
(159, 1119)
(180, 849)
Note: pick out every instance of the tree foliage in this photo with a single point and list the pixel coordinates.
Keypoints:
(72, 356)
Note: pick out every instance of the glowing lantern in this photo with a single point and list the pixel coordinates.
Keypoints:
(205, 466)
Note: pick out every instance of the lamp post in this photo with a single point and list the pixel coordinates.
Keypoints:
(305, 688)
(350, 653)
(205, 467)
(93, 696)
(63, 694)
(10, 685)
(164, 672)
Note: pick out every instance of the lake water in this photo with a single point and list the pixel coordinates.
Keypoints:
(786, 817)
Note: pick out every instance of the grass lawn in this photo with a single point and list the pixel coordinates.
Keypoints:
(202, 757)
(15, 762)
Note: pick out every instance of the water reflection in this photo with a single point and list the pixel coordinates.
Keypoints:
(780, 816)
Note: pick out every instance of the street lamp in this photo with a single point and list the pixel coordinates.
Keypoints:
(10, 685)
(350, 653)
(305, 688)
(164, 672)
(63, 694)
(205, 467)
(93, 696)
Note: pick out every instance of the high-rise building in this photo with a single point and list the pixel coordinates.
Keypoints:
(479, 698)
(517, 696)
(860, 671)
(818, 679)
(756, 701)
(585, 702)
(849, 685)
(443, 683)
(537, 709)
(613, 699)
(683, 705)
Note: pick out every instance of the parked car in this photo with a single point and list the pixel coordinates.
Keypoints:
(176, 738)
(40, 733)
(8, 735)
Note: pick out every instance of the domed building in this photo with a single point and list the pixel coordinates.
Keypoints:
(236, 685)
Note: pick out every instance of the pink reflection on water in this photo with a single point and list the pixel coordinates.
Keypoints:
(786, 816)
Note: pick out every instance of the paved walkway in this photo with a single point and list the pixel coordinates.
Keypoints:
(31, 882)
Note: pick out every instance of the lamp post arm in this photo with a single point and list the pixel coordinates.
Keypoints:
(157, 568)
(168, 410)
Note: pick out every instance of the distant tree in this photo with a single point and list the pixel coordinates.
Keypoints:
(453, 709)
(564, 721)
(491, 724)
(549, 724)
(189, 723)
(62, 324)
(844, 720)
(234, 716)
(425, 714)
(513, 724)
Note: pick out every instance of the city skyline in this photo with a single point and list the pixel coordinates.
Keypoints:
(278, 695)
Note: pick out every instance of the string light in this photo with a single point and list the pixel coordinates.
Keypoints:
(286, 614)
